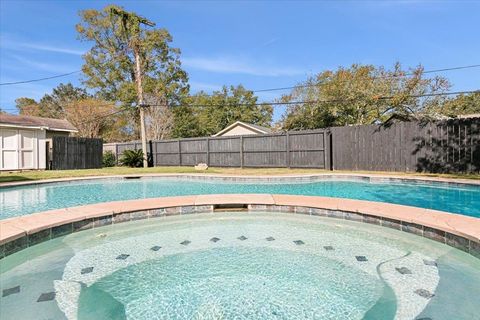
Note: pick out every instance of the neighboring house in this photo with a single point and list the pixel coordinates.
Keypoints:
(25, 141)
(240, 128)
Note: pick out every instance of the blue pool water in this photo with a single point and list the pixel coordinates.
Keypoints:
(16, 201)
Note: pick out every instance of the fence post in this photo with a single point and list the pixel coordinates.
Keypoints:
(287, 151)
(324, 150)
(179, 152)
(208, 151)
(241, 151)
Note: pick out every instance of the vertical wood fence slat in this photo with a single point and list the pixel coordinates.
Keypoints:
(76, 153)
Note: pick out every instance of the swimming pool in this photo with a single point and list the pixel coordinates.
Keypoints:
(456, 198)
(243, 266)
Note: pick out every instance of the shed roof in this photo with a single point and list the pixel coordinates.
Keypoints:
(13, 120)
(253, 127)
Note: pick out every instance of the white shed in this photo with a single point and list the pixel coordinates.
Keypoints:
(240, 128)
(25, 140)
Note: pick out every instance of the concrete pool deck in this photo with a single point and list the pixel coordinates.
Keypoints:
(459, 231)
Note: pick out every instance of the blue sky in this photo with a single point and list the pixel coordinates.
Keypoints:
(257, 44)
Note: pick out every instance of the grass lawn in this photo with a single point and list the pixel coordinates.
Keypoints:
(39, 175)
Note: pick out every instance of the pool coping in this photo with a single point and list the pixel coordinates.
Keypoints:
(277, 177)
(459, 231)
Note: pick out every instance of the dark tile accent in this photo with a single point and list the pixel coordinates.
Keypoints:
(424, 318)
(185, 242)
(457, 242)
(121, 217)
(412, 228)
(298, 242)
(123, 256)
(335, 214)
(62, 230)
(270, 238)
(403, 270)
(16, 245)
(429, 262)
(328, 248)
(9, 291)
(391, 223)
(86, 270)
(475, 249)
(424, 293)
(47, 296)
(139, 215)
(188, 209)
(361, 258)
(372, 219)
(155, 248)
(214, 239)
(103, 221)
(242, 238)
(2, 251)
(434, 234)
(83, 225)
(39, 237)
(353, 216)
(157, 212)
(173, 211)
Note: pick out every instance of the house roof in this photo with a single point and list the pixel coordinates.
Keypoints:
(12, 120)
(253, 127)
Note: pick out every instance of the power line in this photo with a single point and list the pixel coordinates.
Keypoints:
(40, 79)
(373, 78)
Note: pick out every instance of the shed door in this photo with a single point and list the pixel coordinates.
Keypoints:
(26, 152)
(9, 149)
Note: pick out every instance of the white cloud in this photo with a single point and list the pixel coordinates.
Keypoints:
(238, 66)
(25, 63)
(52, 48)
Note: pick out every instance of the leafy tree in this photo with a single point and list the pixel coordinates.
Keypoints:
(52, 105)
(110, 65)
(92, 117)
(204, 114)
(362, 94)
(461, 105)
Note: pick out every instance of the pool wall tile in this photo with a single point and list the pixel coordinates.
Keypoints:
(16, 245)
(475, 249)
(83, 225)
(391, 223)
(2, 251)
(139, 215)
(336, 214)
(121, 217)
(412, 228)
(434, 234)
(62, 230)
(353, 216)
(203, 208)
(372, 219)
(303, 210)
(157, 212)
(319, 212)
(457, 242)
(187, 209)
(102, 221)
(39, 237)
(257, 207)
(171, 211)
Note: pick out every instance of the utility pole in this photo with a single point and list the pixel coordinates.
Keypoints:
(131, 24)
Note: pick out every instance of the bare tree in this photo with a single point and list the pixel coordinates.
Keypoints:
(158, 118)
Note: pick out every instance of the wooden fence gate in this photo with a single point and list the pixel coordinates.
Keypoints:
(76, 153)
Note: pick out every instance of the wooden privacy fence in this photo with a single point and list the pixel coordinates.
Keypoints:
(298, 149)
(76, 153)
(444, 146)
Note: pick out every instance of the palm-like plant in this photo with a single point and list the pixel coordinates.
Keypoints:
(132, 158)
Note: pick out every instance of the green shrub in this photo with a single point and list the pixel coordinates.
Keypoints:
(132, 158)
(108, 159)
